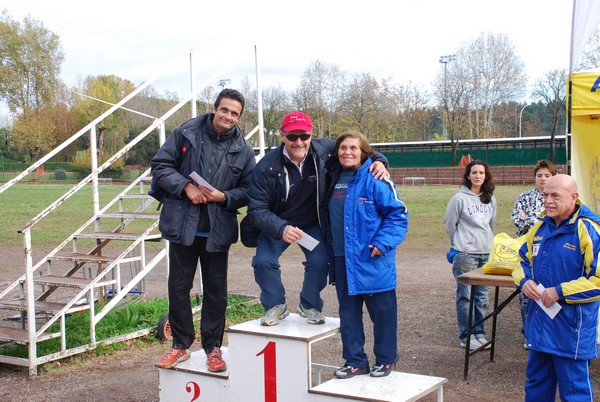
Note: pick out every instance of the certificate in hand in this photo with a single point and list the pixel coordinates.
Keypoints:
(308, 242)
(553, 309)
(200, 181)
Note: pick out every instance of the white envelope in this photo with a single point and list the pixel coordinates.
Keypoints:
(200, 181)
(553, 309)
(308, 242)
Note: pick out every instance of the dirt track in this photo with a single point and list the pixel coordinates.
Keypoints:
(427, 339)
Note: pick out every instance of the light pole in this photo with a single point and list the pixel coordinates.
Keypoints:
(521, 119)
(224, 82)
(445, 60)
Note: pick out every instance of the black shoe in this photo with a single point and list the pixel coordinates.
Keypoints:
(381, 370)
(349, 371)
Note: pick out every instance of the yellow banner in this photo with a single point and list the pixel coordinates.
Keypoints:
(585, 94)
(585, 159)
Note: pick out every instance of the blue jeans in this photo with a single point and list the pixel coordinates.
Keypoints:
(267, 272)
(463, 263)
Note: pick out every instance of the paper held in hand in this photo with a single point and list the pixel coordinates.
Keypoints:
(553, 309)
(200, 181)
(308, 242)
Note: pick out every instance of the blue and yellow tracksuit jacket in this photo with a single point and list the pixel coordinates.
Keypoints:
(564, 257)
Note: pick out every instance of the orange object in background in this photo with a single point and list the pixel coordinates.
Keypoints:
(465, 160)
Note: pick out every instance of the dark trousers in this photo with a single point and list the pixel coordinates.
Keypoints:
(182, 268)
(383, 311)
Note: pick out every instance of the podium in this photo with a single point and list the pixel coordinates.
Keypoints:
(271, 364)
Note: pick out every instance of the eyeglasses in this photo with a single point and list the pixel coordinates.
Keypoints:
(294, 137)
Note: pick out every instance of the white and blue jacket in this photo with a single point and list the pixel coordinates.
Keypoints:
(564, 257)
(373, 214)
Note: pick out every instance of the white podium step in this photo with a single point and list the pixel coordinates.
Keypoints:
(274, 364)
(191, 381)
(292, 327)
(396, 387)
(196, 364)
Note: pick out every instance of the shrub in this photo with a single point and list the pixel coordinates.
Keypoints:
(60, 174)
(82, 161)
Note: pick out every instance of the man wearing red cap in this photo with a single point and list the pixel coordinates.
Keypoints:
(284, 202)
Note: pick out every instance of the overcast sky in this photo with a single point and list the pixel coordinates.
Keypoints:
(401, 39)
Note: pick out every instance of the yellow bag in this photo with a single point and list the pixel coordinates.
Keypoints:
(504, 255)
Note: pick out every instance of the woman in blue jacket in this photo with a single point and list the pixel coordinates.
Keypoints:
(366, 223)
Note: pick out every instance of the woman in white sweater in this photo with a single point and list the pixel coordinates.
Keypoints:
(469, 221)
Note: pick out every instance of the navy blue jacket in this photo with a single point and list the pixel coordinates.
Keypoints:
(172, 165)
(269, 189)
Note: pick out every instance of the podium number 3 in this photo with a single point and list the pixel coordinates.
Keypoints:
(270, 371)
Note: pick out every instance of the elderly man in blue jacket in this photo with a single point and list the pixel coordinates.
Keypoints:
(559, 264)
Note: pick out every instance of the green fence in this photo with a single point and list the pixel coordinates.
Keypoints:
(517, 156)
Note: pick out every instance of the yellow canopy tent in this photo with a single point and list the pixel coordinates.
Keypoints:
(585, 136)
(583, 108)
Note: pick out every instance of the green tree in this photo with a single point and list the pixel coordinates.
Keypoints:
(30, 60)
(98, 95)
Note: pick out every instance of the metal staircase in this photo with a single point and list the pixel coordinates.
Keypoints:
(99, 266)
(105, 260)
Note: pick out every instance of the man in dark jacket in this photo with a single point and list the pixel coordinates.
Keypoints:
(288, 187)
(201, 223)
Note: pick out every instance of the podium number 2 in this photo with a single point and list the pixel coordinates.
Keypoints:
(270, 371)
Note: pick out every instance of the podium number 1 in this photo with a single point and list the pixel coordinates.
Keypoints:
(270, 371)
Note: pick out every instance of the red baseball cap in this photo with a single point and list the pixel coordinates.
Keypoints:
(296, 121)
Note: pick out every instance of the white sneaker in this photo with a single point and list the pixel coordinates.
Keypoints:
(312, 315)
(474, 344)
(483, 341)
(274, 315)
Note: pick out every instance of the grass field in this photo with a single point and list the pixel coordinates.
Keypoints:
(426, 205)
(20, 203)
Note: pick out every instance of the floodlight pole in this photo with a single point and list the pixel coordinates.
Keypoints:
(445, 60)
(223, 83)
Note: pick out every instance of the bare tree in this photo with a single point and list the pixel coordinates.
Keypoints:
(207, 97)
(409, 113)
(455, 96)
(360, 104)
(484, 74)
(496, 75)
(552, 92)
(317, 94)
(590, 58)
